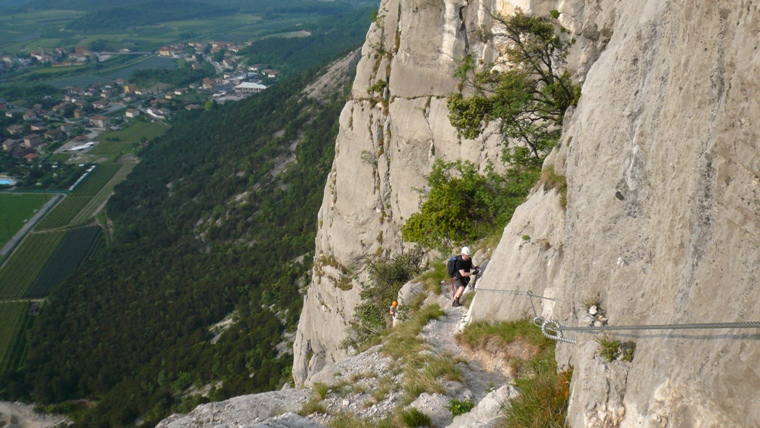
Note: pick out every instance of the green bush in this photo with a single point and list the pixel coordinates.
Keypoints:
(529, 100)
(414, 418)
(627, 349)
(463, 205)
(543, 398)
(460, 407)
(387, 276)
(608, 347)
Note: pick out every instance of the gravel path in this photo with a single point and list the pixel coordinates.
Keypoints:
(440, 334)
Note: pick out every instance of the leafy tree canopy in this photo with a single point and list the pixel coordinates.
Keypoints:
(463, 205)
(529, 100)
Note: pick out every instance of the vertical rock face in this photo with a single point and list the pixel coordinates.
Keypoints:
(663, 197)
(662, 216)
(391, 131)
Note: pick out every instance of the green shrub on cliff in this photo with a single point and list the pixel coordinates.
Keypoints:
(387, 276)
(528, 102)
(463, 205)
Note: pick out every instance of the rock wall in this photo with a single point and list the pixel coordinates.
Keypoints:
(662, 206)
(391, 131)
(661, 222)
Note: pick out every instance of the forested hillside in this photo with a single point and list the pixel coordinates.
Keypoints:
(242, 6)
(150, 12)
(218, 219)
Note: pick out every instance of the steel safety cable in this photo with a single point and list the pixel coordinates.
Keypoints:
(516, 292)
(700, 326)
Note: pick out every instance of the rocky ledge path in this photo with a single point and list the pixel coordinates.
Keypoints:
(368, 386)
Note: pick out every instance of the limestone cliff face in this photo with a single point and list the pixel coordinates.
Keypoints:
(391, 131)
(661, 222)
(663, 201)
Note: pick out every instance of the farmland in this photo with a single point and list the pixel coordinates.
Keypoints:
(150, 63)
(26, 263)
(133, 134)
(45, 258)
(14, 316)
(91, 185)
(83, 203)
(71, 251)
(111, 150)
(24, 30)
(15, 209)
(59, 157)
(99, 199)
(64, 212)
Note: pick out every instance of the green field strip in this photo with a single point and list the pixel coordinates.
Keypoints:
(64, 212)
(98, 178)
(14, 209)
(12, 322)
(110, 148)
(59, 157)
(68, 255)
(26, 262)
(92, 207)
(97, 246)
(133, 134)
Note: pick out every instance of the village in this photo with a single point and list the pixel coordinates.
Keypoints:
(73, 119)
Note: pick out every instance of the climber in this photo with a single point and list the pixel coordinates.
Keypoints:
(463, 274)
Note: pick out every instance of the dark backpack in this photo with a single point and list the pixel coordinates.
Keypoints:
(451, 266)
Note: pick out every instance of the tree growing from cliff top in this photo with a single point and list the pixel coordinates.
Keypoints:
(529, 100)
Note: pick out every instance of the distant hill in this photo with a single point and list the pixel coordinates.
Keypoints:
(149, 12)
(12, 3)
(286, 6)
(86, 5)
(249, 6)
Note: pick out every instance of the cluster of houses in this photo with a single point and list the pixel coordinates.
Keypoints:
(234, 77)
(101, 106)
(32, 129)
(58, 57)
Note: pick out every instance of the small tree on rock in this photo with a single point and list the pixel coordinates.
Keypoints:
(529, 100)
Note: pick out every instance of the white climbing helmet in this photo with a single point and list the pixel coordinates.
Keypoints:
(466, 251)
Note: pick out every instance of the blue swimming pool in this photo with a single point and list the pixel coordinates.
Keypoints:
(7, 182)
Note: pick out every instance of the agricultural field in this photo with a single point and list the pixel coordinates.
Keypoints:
(98, 201)
(13, 319)
(74, 248)
(133, 134)
(110, 148)
(107, 151)
(91, 185)
(89, 196)
(59, 157)
(81, 81)
(34, 29)
(46, 28)
(154, 62)
(15, 209)
(26, 263)
(64, 212)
